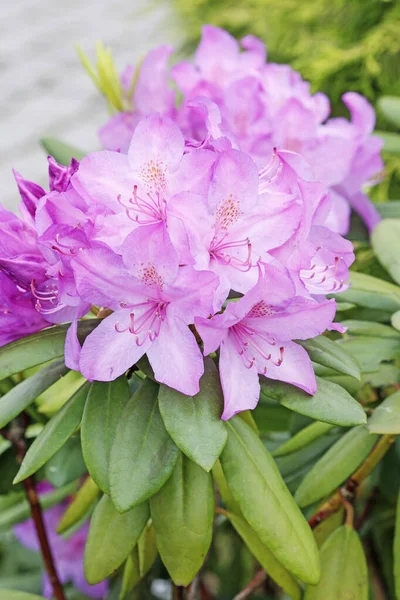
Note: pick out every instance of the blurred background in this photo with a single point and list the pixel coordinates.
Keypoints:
(338, 45)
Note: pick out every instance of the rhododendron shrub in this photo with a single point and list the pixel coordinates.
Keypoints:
(194, 277)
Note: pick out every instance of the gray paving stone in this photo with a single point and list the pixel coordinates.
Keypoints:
(44, 90)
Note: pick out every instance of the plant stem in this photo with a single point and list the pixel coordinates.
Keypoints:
(16, 437)
(251, 587)
(177, 592)
(350, 487)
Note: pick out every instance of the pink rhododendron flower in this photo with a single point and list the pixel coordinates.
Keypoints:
(154, 300)
(163, 235)
(68, 550)
(264, 106)
(255, 336)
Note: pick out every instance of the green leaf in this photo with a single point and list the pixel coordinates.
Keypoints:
(39, 347)
(194, 422)
(395, 320)
(55, 434)
(80, 505)
(183, 513)
(105, 404)
(111, 538)
(16, 595)
(386, 244)
(330, 404)
(391, 143)
(386, 417)
(390, 108)
(16, 513)
(344, 568)
(336, 465)
(60, 151)
(23, 394)
(370, 351)
(396, 550)
(264, 556)
(372, 292)
(258, 488)
(143, 454)
(66, 464)
(140, 561)
(369, 329)
(303, 438)
(330, 354)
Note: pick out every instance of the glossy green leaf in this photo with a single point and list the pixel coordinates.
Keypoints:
(327, 526)
(372, 292)
(293, 463)
(303, 438)
(325, 352)
(395, 320)
(143, 454)
(16, 595)
(60, 151)
(370, 351)
(264, 556)
(336, 465)
(39, 347)
(194, 423)
(105, 404)
(330, 404)
(66, 464)
(385, 240)
(391, 143)
(140, 561)
(20, 511)
(55, 434)
(183, 513)
(23, 394)
(390, 107)
(386, 417)
(80, 505)
(111, 538)
(258, 488)
(396, 550)
(344, 568)
(369, 329)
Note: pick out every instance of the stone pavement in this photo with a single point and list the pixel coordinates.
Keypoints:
(44, 90)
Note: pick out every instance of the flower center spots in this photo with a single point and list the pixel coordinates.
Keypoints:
(256, 348)
(228, 212)
(149, 275)
(145, 320)
(153, 174)
(262, 309)
(147, 210)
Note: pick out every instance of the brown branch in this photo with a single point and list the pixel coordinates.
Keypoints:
(178, 592)
(369, 505)
(349, 489)
(16, 436)
(251, 587)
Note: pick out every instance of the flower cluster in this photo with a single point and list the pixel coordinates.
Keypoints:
(179, 242)
(69, 550)
(262, 106)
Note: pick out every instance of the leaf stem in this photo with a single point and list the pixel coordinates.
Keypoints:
(177, 592)
(350, 487)
(251, 587)
(16, 436)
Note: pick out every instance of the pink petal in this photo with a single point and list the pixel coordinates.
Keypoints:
(176, 358)
(296, 368)
(240, 385)
(106, 354)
